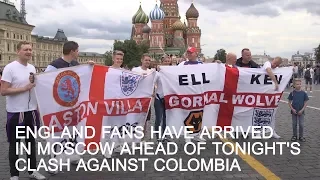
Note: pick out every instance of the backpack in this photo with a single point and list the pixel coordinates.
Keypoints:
(307, 74)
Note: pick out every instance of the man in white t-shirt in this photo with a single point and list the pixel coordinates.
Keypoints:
(268, 66)
(21, 105)
(117, 58)
(144, 70)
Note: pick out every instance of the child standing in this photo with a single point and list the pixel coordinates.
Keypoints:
(297, 103)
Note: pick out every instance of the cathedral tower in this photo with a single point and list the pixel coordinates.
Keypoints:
(193, 32)
(171, 10)
(139, 20)
(157, 38)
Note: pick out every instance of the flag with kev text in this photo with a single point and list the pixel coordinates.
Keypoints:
(216, 95)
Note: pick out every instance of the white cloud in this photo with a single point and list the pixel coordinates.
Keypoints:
(283, 35)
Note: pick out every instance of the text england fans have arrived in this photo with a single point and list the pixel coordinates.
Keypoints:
(21, 105)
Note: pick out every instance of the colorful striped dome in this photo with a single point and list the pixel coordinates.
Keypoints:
(157, 13)
(140, 17)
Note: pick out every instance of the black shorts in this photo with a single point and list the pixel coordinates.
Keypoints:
(309, 81)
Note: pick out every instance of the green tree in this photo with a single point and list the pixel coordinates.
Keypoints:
(317, 54)
(220, 55)
(108, 58)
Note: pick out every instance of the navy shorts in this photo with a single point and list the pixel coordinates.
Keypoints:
(309, 81)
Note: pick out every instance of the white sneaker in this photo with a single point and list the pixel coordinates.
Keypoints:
(14, 178)
(37, 175)
(276, 136)
(53, 172)
(107, 154)
(117, 149)
(145, 144)
(199, 139)
(310, 91)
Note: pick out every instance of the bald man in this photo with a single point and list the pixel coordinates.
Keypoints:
(268, 66)
(231, 60)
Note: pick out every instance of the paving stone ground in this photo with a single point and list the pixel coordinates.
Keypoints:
(306, 165)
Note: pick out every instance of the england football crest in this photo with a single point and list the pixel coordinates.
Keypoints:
(129, 82)
(262, 117)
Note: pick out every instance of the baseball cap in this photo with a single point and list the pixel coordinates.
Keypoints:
(192, 49)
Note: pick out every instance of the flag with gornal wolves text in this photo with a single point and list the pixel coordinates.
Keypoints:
(216, 95)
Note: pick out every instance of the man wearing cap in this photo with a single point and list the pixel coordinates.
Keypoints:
(192, 57)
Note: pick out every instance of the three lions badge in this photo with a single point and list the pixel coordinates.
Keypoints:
(129, 82)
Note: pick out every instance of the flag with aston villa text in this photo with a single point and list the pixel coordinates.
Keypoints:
(95, 96)
(215, 95)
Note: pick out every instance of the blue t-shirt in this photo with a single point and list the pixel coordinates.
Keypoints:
(298, 98)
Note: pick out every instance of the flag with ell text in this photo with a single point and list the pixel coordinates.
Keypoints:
(216, 95)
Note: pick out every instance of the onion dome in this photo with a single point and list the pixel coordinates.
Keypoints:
(178, 25)
(140, 17)
(192, 12)
(157, 13)
(146, 29)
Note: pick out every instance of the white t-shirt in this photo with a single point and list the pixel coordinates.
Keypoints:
(184, 63)
(159, 89)
(18, 76)
(295, 69)
(267, 65)
(140, 70)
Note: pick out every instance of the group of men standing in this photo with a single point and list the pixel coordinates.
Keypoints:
(17, 84)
